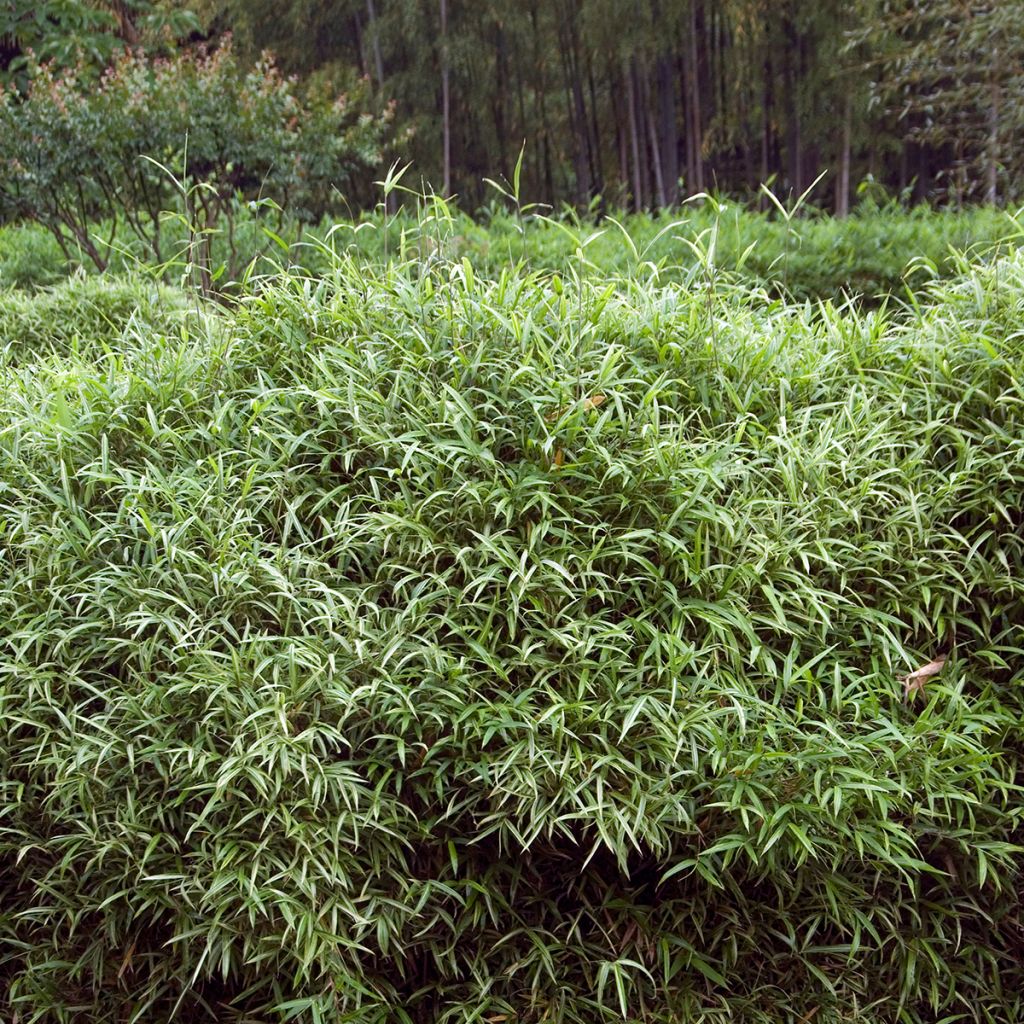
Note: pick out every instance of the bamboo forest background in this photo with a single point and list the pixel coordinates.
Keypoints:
(635, 105)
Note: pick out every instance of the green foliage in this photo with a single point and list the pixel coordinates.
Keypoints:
(953, 73)
(411, 644)
(637, 111)
(872, 254)
(875, 253)
(678, 96)
(194, 133)
(30, 257)
(83, 311)
(70, 32)
(61, 30)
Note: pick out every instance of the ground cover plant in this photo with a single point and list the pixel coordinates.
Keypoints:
(412, 644)
(82, 315)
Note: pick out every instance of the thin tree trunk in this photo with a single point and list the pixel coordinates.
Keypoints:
(595, 128)
(576, 108)
(521, 98)
(683, 74)
(125, 23)
(640, 99)
(767, 101)
(615, 91)
(549, 178)
(992, 163)
(794, 142)
(446, 111)
(634, 139)
(669, 132)
(684, 82)
(378, 60)
(659, 173)
(843, 181)
(499, 98)
(357, 35)
(652, 135)
(578, 147)
(696, 124)
(586, 142)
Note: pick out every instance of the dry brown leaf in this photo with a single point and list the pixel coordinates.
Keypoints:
(589, 404)
(126, 962)
(914, 681)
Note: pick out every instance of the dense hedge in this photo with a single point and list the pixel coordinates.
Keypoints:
(407, 646)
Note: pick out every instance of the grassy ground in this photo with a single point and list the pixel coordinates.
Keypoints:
(418, 643)
(874, 253)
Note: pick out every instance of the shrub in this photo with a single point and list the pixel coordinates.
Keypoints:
(415, 646)
(192, 132)
(82, 313)
(69, 32)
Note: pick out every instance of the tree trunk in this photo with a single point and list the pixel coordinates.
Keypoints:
(652, 135)
(684, 83)
(545, 133)
(615, 91)
(446, 112)
(794, 143)
(696, 120)
(500, 96)
(579, 157)
(992, 161)
(521, 102)
(634, 139)
(378, 60)
(125, 24)
(843, 181)
(360, 48)
(575, 108)
(669, 133)
(595, 128)
(767, 135)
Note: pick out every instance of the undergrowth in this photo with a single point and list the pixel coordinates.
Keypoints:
(407, 644)
(874, 253)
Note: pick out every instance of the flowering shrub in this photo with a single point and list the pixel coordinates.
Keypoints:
(194, 132)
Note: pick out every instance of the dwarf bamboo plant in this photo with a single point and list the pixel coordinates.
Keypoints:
(415, 644)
